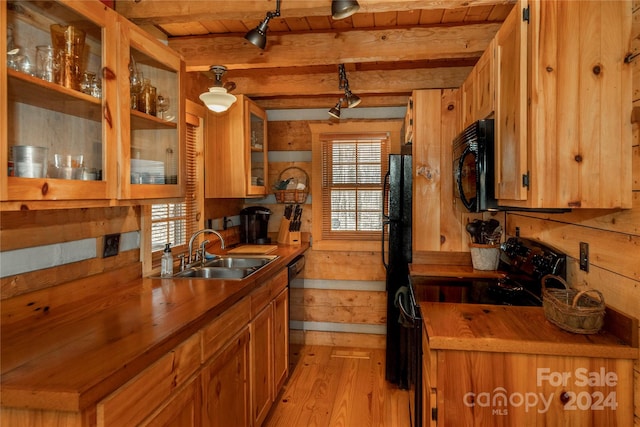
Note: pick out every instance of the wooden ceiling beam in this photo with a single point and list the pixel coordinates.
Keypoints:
(172, 11)
(325, 48)
(261, 84)
(304, 102)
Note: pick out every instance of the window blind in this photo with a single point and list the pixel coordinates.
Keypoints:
(175, 222)
(353, 169)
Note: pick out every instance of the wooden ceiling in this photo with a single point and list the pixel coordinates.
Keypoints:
(389, 48)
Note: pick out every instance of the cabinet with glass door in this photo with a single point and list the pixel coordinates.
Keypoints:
(151, 152)
(57, 124)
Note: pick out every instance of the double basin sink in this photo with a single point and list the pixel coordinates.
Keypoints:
(226, 267)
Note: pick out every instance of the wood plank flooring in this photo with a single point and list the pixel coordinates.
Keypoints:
(339, 387)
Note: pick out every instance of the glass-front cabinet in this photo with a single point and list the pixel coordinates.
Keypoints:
(91, 110)
(59, 103)
(151, 111)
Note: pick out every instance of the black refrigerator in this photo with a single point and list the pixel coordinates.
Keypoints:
(397, 229)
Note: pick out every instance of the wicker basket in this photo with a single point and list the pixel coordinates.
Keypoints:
(293, 194)
(572, 310)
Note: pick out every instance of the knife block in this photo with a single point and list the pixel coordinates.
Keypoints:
(286, 237)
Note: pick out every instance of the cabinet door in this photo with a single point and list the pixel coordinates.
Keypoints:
(236, 151)
(256, 128)
(152, 153)
(511, 106)
(468, 102)
(280, 340)
(71, 135)
(261, 365)
(484, 84)
(225, 385)
(183, 410)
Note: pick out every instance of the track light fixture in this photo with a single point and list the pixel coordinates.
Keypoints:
(341, 9)
(217, 99)
(351, 99)
(258, 36)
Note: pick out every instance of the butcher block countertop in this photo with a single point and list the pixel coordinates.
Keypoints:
(508, 329)
(68, 357)
(453, 271)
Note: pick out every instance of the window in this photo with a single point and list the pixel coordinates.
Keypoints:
(353, 168)
(175, 222)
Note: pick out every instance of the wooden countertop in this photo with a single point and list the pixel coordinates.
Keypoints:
(477, 327)
(453, 271)
(72, 357)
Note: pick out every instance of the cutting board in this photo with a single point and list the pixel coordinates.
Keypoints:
(253, 249)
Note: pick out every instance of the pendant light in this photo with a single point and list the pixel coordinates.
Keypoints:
(258, 36)
(217, 99)
(341, 9)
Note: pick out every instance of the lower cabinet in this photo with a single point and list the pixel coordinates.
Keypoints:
(476, 388)
(225, 385)
(226, 374)
(182, 410)
(269, 346)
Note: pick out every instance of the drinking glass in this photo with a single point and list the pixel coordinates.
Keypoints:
(162, 105)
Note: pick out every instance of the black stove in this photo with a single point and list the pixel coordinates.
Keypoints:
(524, 262)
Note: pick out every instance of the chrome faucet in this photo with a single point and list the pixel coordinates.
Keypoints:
(193, 238)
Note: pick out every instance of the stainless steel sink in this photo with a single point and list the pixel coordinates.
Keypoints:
(227, 267)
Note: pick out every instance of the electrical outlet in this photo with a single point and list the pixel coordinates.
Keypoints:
(584, 256)
(111, 245)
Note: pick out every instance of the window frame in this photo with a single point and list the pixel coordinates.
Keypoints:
(393, 128)
(195, 114)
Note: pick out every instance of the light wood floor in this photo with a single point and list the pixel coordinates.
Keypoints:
(339, 387)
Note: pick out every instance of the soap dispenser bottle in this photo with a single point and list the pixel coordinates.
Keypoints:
(167, 262)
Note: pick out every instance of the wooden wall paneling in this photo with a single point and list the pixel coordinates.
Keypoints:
(636, 167)
(613, 251)
(426, 170)
(635, 49)
(619, 291)
(338, 265)
(342, 306)
(25, 229)
(289, 136)
(451, 225)
(338, 339)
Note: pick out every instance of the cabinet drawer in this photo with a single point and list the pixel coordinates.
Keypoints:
(429, 360)
(134, 401)
(224, 327)
(264, 294)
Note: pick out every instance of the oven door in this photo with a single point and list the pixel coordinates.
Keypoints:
(411, 320)
(465, 174)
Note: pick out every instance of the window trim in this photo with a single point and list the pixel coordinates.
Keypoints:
(393, 127)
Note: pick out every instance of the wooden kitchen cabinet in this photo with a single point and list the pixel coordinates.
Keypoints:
(236, 151)
(126, 154)
(468, 90)
(478, 91)
(225, 383)
(269, 345)
(158, 386)
(563, 102)
(152, 152)
(511, 367)
(63, 120)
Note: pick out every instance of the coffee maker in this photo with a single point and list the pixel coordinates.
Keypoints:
(254, 225)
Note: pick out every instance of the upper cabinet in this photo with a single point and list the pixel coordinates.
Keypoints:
(152, 105)
(58, 129)
(68, 134)
(563, 105)
(236, 151)
(478, 92)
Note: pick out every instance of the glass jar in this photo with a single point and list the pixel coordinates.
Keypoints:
(88, 79)
(147, 98)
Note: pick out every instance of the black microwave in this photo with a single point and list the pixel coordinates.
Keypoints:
(473, 167)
